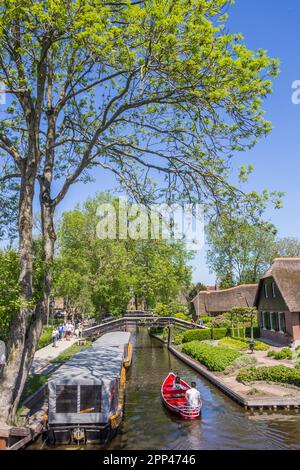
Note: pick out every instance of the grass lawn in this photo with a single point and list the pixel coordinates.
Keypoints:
(70, 352)
(33, 383)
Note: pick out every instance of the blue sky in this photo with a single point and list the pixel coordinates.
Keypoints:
(272, 25)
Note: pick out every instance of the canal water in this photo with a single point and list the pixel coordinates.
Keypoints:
(223, 425)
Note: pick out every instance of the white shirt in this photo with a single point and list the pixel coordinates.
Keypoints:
(193, 397)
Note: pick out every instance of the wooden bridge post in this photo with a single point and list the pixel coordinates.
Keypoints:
(170, 335)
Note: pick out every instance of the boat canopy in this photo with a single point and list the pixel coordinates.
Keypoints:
(85, 389)
(115, 339)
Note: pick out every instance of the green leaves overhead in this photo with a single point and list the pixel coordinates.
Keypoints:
(137, 88)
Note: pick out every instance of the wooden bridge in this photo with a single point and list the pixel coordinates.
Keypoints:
(136, 319)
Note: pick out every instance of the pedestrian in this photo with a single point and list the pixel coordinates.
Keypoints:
(60, 331)
(54, 337)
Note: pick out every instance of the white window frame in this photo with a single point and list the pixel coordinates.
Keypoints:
(273, 290)
(266, 291)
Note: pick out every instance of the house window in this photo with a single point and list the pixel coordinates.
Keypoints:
(273, 290)
(281, 321)
(266, 290)
(267, 321)
(274, 321)
(262, 320)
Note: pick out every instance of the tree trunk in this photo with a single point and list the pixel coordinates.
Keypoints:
(25, 329)
(49, 238)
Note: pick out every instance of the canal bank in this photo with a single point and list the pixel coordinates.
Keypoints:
(224, 424)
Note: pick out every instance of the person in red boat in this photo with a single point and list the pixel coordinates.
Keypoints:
(176, 384)
(193, 397)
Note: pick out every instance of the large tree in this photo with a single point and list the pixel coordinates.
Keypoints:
(287, 247)
(240, 249)
(100, 276)
(131, 87)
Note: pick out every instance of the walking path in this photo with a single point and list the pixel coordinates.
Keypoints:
(43, 357)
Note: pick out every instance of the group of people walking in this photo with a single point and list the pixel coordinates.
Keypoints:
(66, 331)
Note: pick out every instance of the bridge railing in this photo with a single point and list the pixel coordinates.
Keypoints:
(122, 323)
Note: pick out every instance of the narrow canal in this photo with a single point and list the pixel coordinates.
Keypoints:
(224, 424)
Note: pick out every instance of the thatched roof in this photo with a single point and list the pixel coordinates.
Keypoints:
(224, 300)
(286, 274)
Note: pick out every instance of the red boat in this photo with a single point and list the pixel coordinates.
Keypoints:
(175, 400)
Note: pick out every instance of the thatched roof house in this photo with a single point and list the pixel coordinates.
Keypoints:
(219, 301)
(278, 301)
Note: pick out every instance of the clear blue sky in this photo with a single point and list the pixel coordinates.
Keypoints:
(272, 25)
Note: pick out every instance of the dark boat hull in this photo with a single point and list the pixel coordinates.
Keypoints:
(68, 435)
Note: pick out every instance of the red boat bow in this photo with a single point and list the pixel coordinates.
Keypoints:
(175, 401)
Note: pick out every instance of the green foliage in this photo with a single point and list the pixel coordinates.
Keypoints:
(45, 338)
(10, 301)
(101, 276)
(240, 250)
(258, 345)
(233, 343)
(280, 374)
(285, 353)
(162, 310)
(33, 383)
(214, 358)
(70, 352)
(203, 334)
(182, 316)
(241, 362)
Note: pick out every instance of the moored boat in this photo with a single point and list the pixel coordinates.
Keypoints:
(86, 397)
(175, 400)
(117, 339)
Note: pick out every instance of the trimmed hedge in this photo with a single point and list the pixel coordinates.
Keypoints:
(200, 335)
(45, 338)
(215, 358)
(285, 353)
(280, 374)
(258, 345)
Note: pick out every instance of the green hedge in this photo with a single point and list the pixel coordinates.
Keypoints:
(280, 374)
(258, 345)
(215, 358)
(285, 353)
(201, 335)
(45, 338)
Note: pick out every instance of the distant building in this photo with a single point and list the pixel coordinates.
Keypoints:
(215, 302)
(278, 301)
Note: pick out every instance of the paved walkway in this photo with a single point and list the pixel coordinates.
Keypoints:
(43, 357)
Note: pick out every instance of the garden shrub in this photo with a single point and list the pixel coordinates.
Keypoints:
(233, 343)
(45, 338)
(182, 316)
(285, 353)
(215, 358)
(241, 362)
(279, 374)
(200, 335)
(258, 345)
